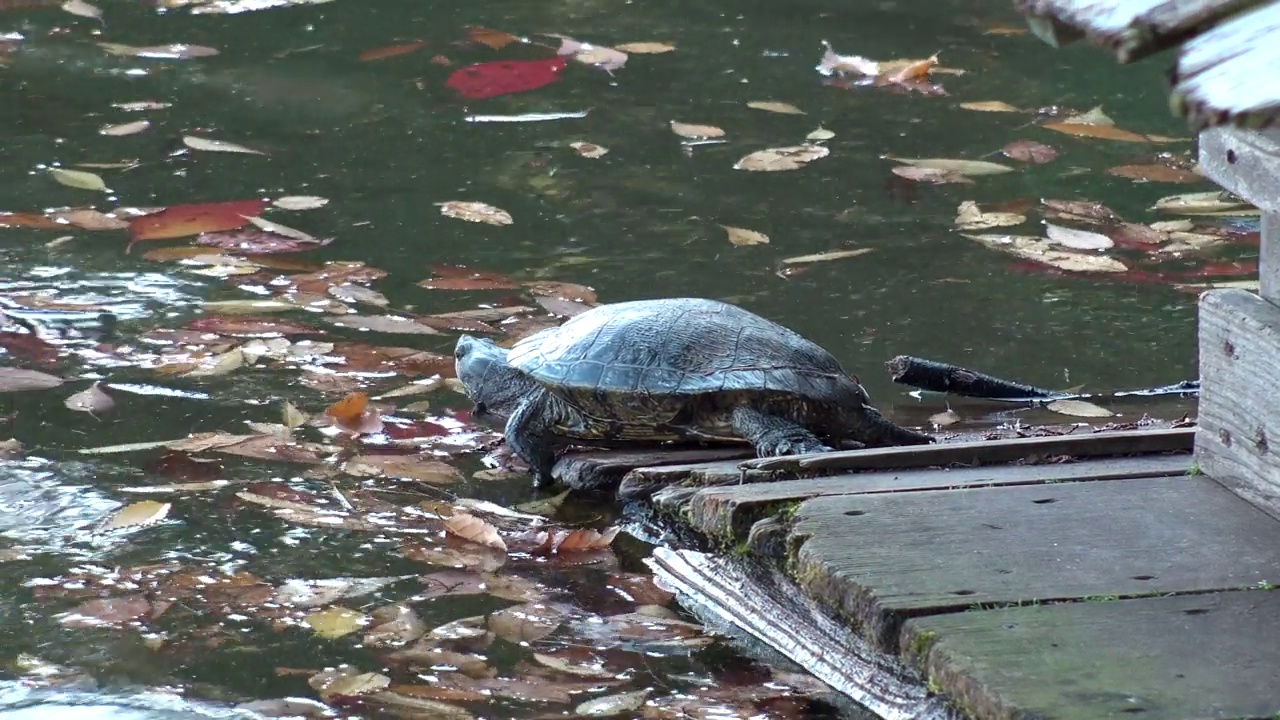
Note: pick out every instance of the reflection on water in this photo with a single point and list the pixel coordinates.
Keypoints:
(339, 109)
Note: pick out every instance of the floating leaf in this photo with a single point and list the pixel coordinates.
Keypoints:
(689, 130)
(609, 705)
(1104, 132)
(784, 158)
(742, 236)
(83, 9)
(1078, 408)
(605, 58)
(495, 39)
(1029, 151)
(964, 167)
(525, 623)
(421, 468)
(78, 179)
(384, 323)
(353, 414)
(160, 52)
(1081, 210)
(184, 220)
(1077, 239)
(1155, 173)
(14, 379)
(1201, 203)
(210, 145)
(278, 229)
(300, 202)
(107, 611)
(646, 48)
(943, 419)
(91, 400)
(1043, 252)
(970, 217)
(990, 106)
(475, 212)
(589, 150)
(472, 528)
(332, 623)
(775, 107)
(137, 514)
(129, 128)
(503, 77)
(826, 256)
(391, 51)
(936, 176)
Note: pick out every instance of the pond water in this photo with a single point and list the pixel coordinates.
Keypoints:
(210, 587)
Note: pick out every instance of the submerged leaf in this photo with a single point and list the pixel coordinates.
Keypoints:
(78, 179)
(14, 379)
(792, 157)
(964, 167)
(826, 256)
(503, 77)
(1029, 151)
(91, 400)
(211, 145)
(1078, 408)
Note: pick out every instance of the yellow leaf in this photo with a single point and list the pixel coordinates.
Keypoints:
(742, 236)
(990, 106)
(776, 107)
(78, 179)
(137, 514)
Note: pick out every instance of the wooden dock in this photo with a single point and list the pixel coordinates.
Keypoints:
(1108, 579)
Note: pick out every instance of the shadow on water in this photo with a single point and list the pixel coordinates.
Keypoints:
(204, 596)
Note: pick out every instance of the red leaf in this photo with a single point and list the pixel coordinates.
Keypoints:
(502, 77)
(184, 220)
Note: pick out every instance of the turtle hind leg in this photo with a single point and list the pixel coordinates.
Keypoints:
(774, 435)
(530, 432)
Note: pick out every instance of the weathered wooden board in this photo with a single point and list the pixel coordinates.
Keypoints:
(1169, 658)
(1227, 74)
(1135, 28)
(1239, 437)
(878, 558)
(1245, 162)
(603, 469)
(719, 511)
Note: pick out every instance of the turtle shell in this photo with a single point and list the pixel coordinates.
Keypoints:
(625, 360)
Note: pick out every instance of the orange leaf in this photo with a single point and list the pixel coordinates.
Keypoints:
(469, 527)
(495, 39)
(913, 70)
(349, 409)
(184, 220)
(31, 220)
(391, 51)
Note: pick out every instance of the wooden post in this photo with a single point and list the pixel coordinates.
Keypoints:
(1238, 440)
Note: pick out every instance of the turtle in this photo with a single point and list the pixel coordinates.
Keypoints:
(671, 369)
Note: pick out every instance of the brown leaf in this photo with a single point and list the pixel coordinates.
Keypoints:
(495, 39)
(1103, 132)
(525, 623)
(1083, 210)
(475, 212)
(470, 527)
(1155, 173)
(411, 467)
(391, 51)
(792, 157)
(456, 277)
(14, 379)
(1029, 151)
(107, 611)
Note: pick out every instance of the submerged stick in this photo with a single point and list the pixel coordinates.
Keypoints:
(947, 378)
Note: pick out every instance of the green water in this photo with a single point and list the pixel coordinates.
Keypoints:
(384, 140)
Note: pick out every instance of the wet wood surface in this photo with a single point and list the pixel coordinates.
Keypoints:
(1194, 656)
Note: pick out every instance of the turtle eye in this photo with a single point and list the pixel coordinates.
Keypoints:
(459, 352)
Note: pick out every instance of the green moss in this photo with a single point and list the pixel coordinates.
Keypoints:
(1194, 470)
(921, 643)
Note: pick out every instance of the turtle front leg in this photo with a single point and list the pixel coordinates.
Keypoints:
(530, 432)
(774, 435)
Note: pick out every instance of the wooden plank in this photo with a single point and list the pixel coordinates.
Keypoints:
(1245, 162)
(642, 481)
(1226, 75)
(1133, 29)
(1169, 658)
(984, 452)
(764, 603)
(878, 559)
(1239, 434)
(604, 469)
(730, 510)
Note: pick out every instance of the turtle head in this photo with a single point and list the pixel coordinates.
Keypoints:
(493, 385)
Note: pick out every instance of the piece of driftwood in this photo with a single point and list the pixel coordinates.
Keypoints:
(604, 469)
(1239, 436)
(1193, 656)
(943, 377)
(730, 510)
(947, 378)
(1227, 75)
(1132, 29)
(879, 559)
(762, 602)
